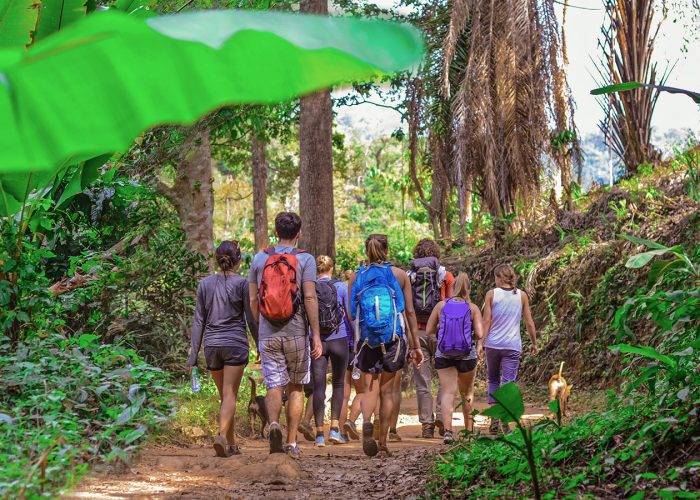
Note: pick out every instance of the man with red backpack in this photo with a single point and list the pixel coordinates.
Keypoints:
(282, 285)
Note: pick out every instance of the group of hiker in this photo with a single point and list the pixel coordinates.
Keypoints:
(367, 326)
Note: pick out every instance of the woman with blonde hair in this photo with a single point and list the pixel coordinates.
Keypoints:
(457, 323)
(505, 307)
(386, 335)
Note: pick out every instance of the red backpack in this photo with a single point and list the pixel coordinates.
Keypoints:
(279, 296)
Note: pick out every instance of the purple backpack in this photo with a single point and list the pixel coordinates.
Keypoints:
(455, 333)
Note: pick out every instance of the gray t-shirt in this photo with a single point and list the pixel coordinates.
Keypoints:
(221, 313)
(306, 271)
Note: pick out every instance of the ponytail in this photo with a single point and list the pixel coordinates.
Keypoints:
(507, 274)
(462, 287)
(377, 248)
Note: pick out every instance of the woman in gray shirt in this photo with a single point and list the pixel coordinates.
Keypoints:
(221, 313)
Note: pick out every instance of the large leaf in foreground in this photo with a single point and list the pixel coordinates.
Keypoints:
(509, 404)
(93, 87)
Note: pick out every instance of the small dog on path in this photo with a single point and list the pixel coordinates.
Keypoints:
(559, 389)
(257, 409)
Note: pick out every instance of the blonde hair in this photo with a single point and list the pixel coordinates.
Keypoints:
(377, 248)
(507, 274)
(462, 287)
(324, 264)
(347, 275)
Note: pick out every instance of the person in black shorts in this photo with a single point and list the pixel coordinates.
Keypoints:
(221, 313)
(457, 371)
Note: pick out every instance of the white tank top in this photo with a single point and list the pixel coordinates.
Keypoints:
(507, 310)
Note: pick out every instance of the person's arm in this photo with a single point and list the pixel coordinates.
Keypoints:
(197, 326)
(431, 327)
(486, 323)
(529, 323)
(249, 317)
(477, 322)
(253, 293)
(311, 308)
(447, 285)
(413, 339)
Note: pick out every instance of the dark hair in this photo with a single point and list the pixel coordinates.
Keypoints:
(377, 248)
(287, 225)
(426, 248)
(228, 255)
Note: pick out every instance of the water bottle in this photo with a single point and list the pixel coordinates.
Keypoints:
(195, 380)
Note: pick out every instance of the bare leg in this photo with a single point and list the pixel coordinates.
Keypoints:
(346, 398)
(448, 384)
(309, 410)
(295, 407)
(370, 396)
(387, 398)
(273, 402)
(397, 400)
(465, 382)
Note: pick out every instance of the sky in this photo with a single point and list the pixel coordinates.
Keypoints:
(582, 33)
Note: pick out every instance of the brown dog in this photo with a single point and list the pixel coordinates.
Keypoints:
(257, 408)
(559, 389)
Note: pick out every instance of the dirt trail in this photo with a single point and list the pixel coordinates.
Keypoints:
(330, 472)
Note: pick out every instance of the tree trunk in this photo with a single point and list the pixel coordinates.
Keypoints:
(468, 200)
(192, 195)
(259, 193)
(316, 163)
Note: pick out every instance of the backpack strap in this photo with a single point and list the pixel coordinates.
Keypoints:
(270, 250)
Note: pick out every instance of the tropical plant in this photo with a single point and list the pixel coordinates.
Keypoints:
(626, 86)
(510, 79)
(627, 48)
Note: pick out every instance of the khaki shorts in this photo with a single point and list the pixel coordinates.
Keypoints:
(285, 360)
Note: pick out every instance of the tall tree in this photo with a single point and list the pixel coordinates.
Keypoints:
(627, 57)
(259, 163)
(504, 97)
(316, 163)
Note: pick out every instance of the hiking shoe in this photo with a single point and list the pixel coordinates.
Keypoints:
(293, 451)
(495, 426)
(440, 427)
(369, 444)
(233, 450)
(275, 438)
(221, 446)
(448, 438)
(351, 429)
(320, 441)
(394, 436)
(505, 428)
(306, 429)
(335, 437)
(377, 429)
(428, 431)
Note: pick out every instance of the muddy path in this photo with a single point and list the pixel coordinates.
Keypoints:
(331, 472)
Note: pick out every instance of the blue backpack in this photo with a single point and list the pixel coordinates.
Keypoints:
(378, 304)
(455, 332)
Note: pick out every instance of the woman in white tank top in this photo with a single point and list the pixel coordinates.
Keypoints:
(504, 309)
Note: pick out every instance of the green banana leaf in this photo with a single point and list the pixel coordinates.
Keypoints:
(94, 86)
(18, 20)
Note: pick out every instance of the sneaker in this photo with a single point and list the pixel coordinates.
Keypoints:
(293, 451)
(221, 446)
(428, 431)
(233, 450)
(275, 438)
(505, 428)
(320, 441)
(369, 444)
(346, 438)
(351, 429)
(394, 436)
(308, 431)
(335, 437)
(495, 426)
(448, 438)
(440, 426)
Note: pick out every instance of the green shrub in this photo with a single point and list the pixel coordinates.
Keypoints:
(69, 403)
